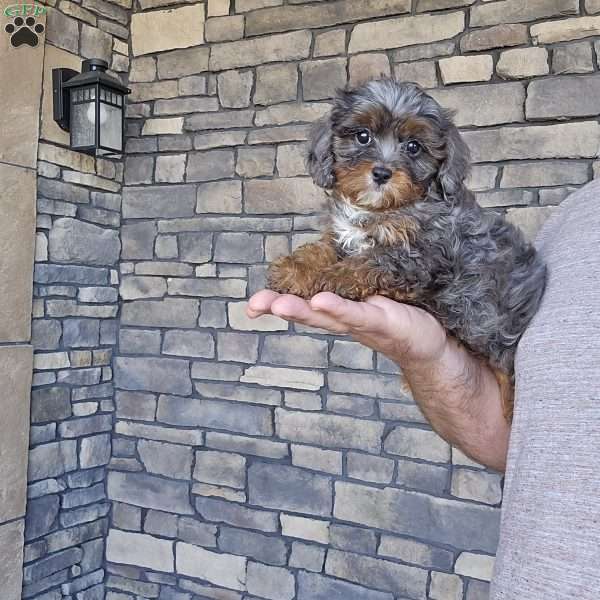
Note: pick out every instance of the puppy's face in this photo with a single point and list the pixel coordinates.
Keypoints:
(382, 146)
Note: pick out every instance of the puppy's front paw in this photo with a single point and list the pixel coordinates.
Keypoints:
(285, 277)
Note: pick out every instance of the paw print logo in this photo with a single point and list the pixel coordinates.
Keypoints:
(24, 31)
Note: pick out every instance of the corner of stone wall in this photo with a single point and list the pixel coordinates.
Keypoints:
(74, 324)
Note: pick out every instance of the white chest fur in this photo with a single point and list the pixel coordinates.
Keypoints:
(348, 227)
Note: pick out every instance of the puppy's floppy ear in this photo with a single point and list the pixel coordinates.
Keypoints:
(320, 154)
(455, 167)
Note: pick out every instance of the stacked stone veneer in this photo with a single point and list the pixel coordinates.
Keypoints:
(74, 326)
(257, 459)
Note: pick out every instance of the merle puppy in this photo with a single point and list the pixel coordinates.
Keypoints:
(404, 225)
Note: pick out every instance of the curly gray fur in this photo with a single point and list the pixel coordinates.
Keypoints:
(468, 267)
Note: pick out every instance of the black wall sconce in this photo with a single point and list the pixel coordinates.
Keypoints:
(91, 106)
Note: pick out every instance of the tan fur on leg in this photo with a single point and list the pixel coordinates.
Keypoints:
(506, 392)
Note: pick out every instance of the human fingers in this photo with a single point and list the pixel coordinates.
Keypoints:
(358, 317)
(293, 308)
(260, 303)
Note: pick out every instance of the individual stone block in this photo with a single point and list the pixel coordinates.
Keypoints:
(280, 377)
(287, 488)
(290, 162)
(50, 404)
(462, 69)
(399, 579)
(477, 566)
(523, 62)
(320, 15)
(504, 198)
(159, 201)
(194, 247)
(370, 468)
(295, 195)
(166, 459)
(264, 548)
(220, 197)
(422, 72)
(351, 405)
(405, 31)
(565, 140)
(512, 11)
(494, 37)
(81, 333)
(351, 355)
(224, 29)
(274, 135)
(364, 67)
(140, 550)
(302, 352)
(95, 43)
(142, 69)
(234, 88)
(217, 8)
(163, 126)
(408, 513)
(170, 312)
(567, 96)
(52, 460)
(307, 557)
(423, 51)
(223, 120)
(317, 587)
(255, 162)
(276, 83)
(220, 468)
(221, 569)
(221, 511)
(275, 48)
(274, 583)
(427, 5)
(482, 105)
(167, 29)
(71, 240)
(476, 485)
(41, 515)
(237, 418)
(573, 58)
(207, 166)
(317, 459)
(545, 173)
(184, 105)
(238, 248)
(138, 240)
(149, 491)
(478, 590)
(170, 168)
(445, 586)
(321, 79)
(418, 553)
(248, 5)
(95, 451)
(166, 375)
(288, 113)
(198, 344)
(565, 29)
(330, 43)
(197, 533)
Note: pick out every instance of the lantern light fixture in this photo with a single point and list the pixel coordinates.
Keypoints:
(91, 106)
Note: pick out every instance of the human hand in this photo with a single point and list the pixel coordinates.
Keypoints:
(404, 333)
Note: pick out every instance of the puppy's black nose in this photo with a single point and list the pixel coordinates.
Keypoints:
(381, 174)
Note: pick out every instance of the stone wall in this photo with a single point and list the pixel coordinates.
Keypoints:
(21, 76)
(74, 325)
(257, 459)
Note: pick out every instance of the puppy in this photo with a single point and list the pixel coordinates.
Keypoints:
(404, 225)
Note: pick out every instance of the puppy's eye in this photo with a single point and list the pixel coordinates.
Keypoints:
(413, 148)
(363, 137)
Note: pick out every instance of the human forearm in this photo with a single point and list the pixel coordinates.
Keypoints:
(460, 397)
